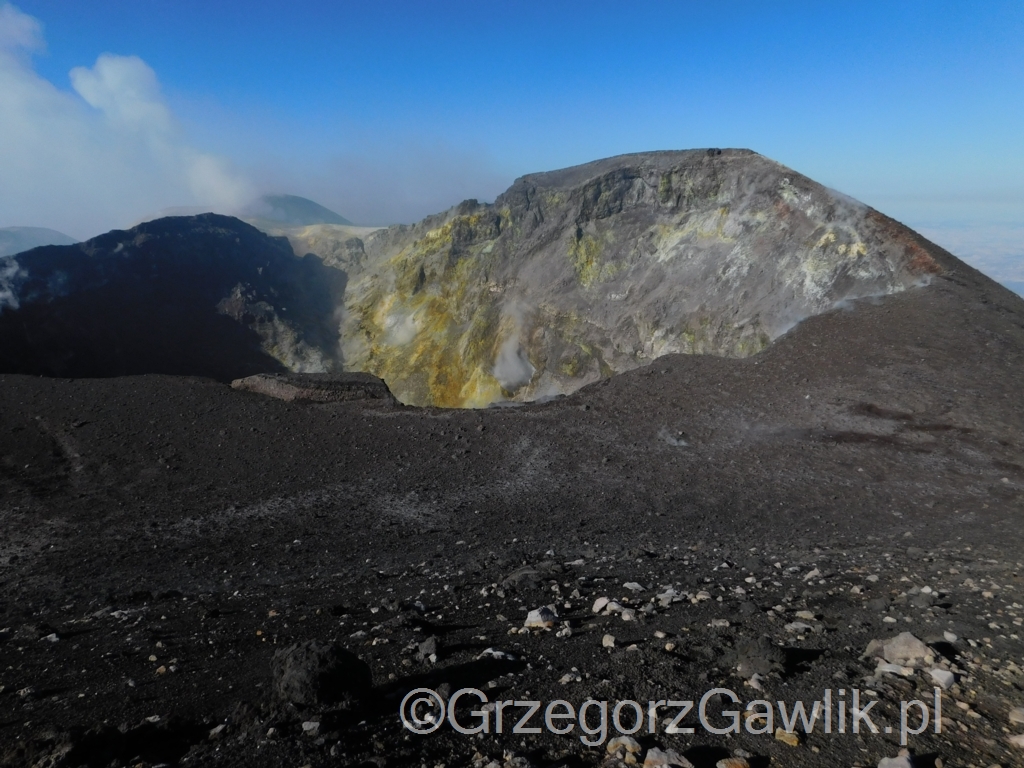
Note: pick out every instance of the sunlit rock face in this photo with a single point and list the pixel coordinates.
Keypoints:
(570, 276)
(578, 274)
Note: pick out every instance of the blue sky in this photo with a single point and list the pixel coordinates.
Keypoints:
(387, 111)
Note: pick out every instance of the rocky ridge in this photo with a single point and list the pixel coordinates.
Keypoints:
(574, 275)
(203, 295)
(567, 278)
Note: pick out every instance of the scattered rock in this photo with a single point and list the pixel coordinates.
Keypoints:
(492, 653)
(608, 641)
(668, 758)
(942, 678)
(541, 618)
(312, 674)
(904, 648)
(626, 744)
(902, 761)
(428, 647)
(758, 657)
(798, 627)
(787, 737)
(893, 669)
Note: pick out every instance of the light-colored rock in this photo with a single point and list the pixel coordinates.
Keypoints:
(733, 762)
(893, 669)
(874, 649)
(902, 761)
(942, 678)
(667, 597)
(949, 637)
(805, 615)
(628, 614)
(541, 618)
(633, 586)
(600, 604)
(626, 743)
(493, 653)
(608, 641)
(798, 627)
(904, 648)
(1017, 741)
(787, 737)
(668, 758)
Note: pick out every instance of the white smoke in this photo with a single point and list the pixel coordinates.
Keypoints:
(100, 157)
(511, 368)
(9, 269)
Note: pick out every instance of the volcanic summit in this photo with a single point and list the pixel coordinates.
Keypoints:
(789, 462)
(568, 277)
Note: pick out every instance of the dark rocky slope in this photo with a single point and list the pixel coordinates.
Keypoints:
(861, 477)
(201, 295)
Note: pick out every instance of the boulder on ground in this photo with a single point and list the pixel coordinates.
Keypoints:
(314, 674)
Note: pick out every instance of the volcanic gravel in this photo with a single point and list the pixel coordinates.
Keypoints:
(196, 575)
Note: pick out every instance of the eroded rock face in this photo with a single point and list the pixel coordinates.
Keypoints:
(570, 276)
(577, 274)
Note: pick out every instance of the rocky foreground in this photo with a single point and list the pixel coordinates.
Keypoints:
(197, 575)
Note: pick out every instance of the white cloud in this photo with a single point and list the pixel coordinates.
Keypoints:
(994, 248)
(19, 31)
(100, 157)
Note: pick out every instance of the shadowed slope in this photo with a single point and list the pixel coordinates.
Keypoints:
(205, 295)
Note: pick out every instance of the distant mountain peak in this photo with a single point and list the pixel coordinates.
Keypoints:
(292, 210)
(17, 239)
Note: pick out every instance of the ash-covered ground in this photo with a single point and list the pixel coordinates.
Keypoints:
(757, 524)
